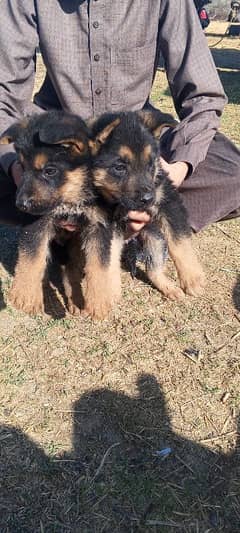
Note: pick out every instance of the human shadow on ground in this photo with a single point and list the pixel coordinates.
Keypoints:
(127, 471)
(226, 58)
(231, 83)
(236, 294)
(2, 303)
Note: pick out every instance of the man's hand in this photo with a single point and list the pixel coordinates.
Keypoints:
(136, 221)
(16, 172)
(177, 172)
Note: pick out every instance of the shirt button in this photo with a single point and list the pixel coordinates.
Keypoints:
(98, 91)
(96, 57)
(95, 24)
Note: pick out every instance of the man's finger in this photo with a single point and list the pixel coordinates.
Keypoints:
(164, 164)
(136, 226)
(138, 216)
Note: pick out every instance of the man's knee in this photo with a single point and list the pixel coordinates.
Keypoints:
(225, 156)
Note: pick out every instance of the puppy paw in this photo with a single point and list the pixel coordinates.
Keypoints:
(73, 309)
(174, 293)
(99, 306)
(99, 311)
(30, 303)
(165, 285)
(194, 283)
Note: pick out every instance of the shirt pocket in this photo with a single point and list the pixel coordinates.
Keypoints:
(131, 76)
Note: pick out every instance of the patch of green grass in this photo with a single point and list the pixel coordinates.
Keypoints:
(209, 388)
(43, 326)
(53, 448)
(12, 374)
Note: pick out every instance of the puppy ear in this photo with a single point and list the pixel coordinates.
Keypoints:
(13, 132)
(75, 145)
(6, 139)
(155, 121)
(102, 136)
(68, 130)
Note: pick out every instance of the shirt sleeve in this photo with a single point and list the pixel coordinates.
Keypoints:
(194, 83)
(18, 43)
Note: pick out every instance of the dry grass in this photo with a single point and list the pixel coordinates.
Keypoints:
(85, 406)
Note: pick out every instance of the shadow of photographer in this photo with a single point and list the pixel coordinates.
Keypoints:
(127, 471)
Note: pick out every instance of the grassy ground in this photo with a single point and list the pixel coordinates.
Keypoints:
(88, 410)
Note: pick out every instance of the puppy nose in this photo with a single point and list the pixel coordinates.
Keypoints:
(23, 203)
(147, 198)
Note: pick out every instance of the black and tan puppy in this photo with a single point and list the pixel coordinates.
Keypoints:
(128, 176)
(53, 150)
(58, 187)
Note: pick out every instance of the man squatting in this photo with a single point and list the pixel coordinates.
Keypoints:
(102, 55)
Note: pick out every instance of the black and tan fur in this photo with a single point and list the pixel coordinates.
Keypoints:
(56, 187)
(64, 183)
(128, 176)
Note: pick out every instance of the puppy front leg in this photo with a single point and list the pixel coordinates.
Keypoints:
(72, 277)
(102, 281)
(26, 293)
(155, 252)
(190, 272)
(178, 233)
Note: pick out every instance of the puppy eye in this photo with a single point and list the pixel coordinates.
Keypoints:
(120, 168)
(49, 172)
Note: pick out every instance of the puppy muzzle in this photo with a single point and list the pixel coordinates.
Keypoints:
(24, 203)
(29, 205)
(142, 202)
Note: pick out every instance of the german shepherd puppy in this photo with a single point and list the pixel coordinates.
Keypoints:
(56, 187)
(83, 201)
(127, 175)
